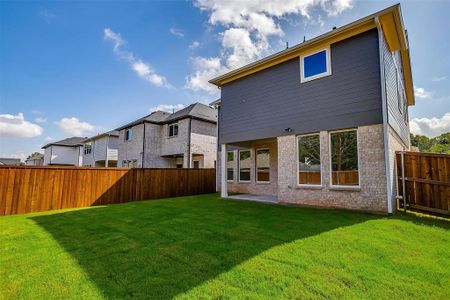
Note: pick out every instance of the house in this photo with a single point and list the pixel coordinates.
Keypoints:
(318, 123)
(183, 139)
(101, 150)
(67, 152)
(35, 160)
(9, 161)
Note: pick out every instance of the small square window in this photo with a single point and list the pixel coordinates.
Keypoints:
(315, 65)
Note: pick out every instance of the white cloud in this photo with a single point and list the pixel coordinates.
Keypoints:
(16, 126)
(167, 107)
(438, 79)
(40, 120)
(73, 126)
(205, 69)
(37, 112)
(142, 69)
(18, 154)
(194, 45)
(248, 26)
(422, 93)
(176, 32)
(49, 138)
(431, 127)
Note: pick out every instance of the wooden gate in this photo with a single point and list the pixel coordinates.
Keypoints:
(424, 179)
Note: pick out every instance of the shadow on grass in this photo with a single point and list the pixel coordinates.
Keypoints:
(158, 249)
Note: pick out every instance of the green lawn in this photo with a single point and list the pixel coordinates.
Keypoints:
(204, 247)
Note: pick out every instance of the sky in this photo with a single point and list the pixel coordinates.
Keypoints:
(80, 68)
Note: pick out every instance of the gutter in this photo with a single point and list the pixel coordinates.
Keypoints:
(385, 115)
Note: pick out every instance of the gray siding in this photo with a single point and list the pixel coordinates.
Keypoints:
(263, 104)
(395, 94)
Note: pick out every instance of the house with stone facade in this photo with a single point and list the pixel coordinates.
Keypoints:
(183, 139)
(318, 124)
(101, 150)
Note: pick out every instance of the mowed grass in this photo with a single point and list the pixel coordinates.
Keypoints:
(205, 247)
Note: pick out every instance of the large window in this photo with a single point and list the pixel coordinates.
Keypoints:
(173, 129)
(244, 165)
(315, 65)
(309, 171)
(128, 134)
(344, 158)
(230, 165)
(262, 165)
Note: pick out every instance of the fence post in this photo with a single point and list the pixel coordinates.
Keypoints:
(402, 155)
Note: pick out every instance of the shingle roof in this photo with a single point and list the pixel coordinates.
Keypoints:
(157, 117)
(9, 161)
(104, 134)
(70, 142)
(196, 110)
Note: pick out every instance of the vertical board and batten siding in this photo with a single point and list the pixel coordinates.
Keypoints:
(34, 189)
(427, 181)
(264, 104)
(395, 94)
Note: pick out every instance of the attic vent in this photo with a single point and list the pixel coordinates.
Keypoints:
(334, 28)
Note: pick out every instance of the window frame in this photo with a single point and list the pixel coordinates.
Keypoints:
(168, 129)
(321, 164)
(87, 148)
(328, 72)
(126, 134)
(234, 165)
(256, 165)
(340, 186)
(239, 167)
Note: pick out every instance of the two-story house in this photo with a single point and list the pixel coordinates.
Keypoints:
(101, 150)
(318, 123)
(67, 152)
(183, 139)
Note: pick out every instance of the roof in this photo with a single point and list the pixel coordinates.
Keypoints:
(114, 133)
(69, 142)
(196, 111)
(9, 161)
(154, 117)
(389, 20)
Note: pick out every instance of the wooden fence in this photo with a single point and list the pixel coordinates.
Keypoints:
(426, 181)
(32, 189)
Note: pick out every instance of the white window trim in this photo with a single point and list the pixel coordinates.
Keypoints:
(256, 166)
(168, 130)
(239, 167)
(340, 186)
(321, 164)
(234, 164)
(317, 76)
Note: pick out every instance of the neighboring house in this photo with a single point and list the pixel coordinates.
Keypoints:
(36, 160)
(9, 161)
(184, 139)
(101, 150)
(319, 123)
(67, 152)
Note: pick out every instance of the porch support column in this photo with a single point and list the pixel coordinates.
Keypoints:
(223, 171)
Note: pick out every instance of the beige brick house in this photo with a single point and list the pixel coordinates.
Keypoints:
(184, 139)
(318, 123)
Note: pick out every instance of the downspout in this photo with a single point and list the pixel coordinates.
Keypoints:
(189, 144)
(385, 115)
(143, 148)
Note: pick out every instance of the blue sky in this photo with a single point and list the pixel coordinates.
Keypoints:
(79, 68)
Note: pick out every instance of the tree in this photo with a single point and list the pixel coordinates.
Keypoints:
(33, 155)
(439, 144)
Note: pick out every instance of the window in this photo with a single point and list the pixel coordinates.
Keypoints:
(128, 134)
(179, 166)
(309, 171)
(230, 165)
(173, 129)
(124, 164)
(262, 165)
(244, 165)
(344, 158)
(315, 65)
(88, 148)
(132, 163)
(196, 164)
